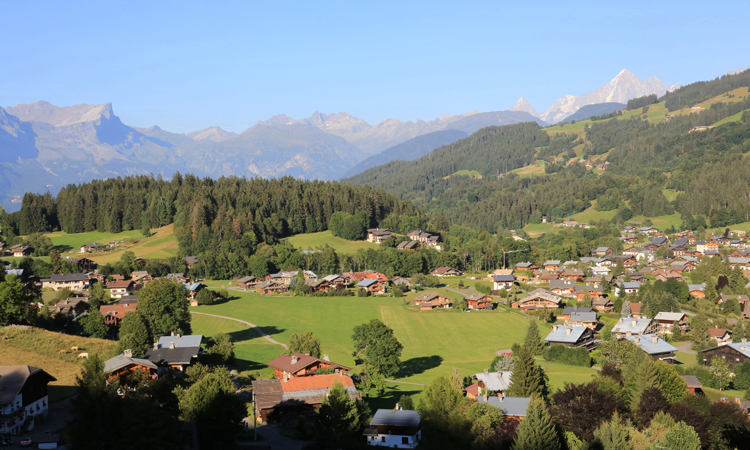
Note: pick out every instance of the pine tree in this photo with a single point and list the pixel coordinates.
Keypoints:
(646, 378)
(54, 260)
(527, 379)
(533, 342)
(738, 333)
(536, 430)
(613, 435)
(626, 312)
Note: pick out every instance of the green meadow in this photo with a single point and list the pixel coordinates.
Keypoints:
(319, 240)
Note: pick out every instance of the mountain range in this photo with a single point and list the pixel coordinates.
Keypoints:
(44, 146)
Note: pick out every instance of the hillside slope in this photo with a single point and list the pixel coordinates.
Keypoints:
(594, 110)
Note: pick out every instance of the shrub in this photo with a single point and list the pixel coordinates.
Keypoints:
(570, 356)
(484, 288)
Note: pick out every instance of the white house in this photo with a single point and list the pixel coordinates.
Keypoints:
(23, 398)
(395, 428)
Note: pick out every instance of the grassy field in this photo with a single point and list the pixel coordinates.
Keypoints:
(591, 215)
(661, 223)
(466, 172)
(734, 118)
(535, 229)
(670, 194)
(529, 171)
(40, 348)
(160, 245)
(319, 240)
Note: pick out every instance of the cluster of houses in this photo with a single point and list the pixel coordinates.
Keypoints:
(170, 353)
(417, 239)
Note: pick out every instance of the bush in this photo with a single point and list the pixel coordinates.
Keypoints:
(484, 288)
(570, 356)
(426, 280)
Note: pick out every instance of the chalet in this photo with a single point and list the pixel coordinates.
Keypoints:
(721, 240)
(379, 236)
(602, 251)
(374, 286)
(706, 246)
(629, 239)
(592, 291)
(274, 398)
(431, 300)
(666, 320)
(654, 346)
(740, 253)
(72, 281)
(525, 266)
(634, 276)
(271, 287)
(513, 408)
(72, 307)
(116, 277)
(551, 265)
(125, 362)
(733, 354)
(536, 299)
(493, 382)
(635, 309)
(181, 277)
(722, 335)
(23, 398)
(601, 271)
(408, 245)
(120, 288)
(366, 275)
(573, 274)
(337, 281)
(113, 314)
(549, 276)
(414, 235)
(286, 278)
(693, 384)
(248, 282)
(581, 319)
(664, 275)
(745, 311)
(82, 264)
(603, 304)
(20, 250)
(299, 365)
(503, 281)
(175, 352)
(140, 276)
(574, 309)
(742, 263)
(628, 287)
(633, 327)
(128, 300)
(319, 285)
(191, 261)
(446, 272)
(647, 230)
(193, 289)
(395, 428)
(395, 281)
(741, 299)
(737, 244)
(85, 248)
(479, 301)
(562, 287)
(571, 336)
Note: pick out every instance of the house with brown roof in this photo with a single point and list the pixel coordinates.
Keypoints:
(248, 282)
(635, 309)
(20, 250)
(693, 384)
(73, 306)
(603, 304)
(722, 335)
(271, 287)
(666, 321)
(446, 272)
(479, 301)
(82, 264)
(140, 276)
(431, 300)
(378, 235)
(120, 288)
(113, 314)
(300, 365)
(538, 299)
(571, 273)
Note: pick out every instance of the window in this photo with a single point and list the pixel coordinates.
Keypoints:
(382, 438)
(405, 440)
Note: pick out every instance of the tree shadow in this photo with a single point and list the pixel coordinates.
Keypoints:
(63, 248)
(249, 334)
(416, 366)
(391, 396)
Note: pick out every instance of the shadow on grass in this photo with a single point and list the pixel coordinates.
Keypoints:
(246, 365)
(63, 248)
(391, 396)
(248, 334)
(57, 393)
(416, 366)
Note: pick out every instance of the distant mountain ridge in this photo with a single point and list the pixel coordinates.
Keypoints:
(595, 110)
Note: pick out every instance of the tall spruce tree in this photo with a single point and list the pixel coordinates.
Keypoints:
(533, 341)
(536, 431)
(613, 435)
(626, 312)
(647, 378)
(527, 379)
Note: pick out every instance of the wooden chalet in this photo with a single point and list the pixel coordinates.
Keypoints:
(697, 290)
(573, 274)
(395, 428)
(446, 272)
(479, 301)
(603, 304)
(395, 281)
(629, 326)
(430, 300)
(378, 235)
(408, 245)
(549, 276)
(140, 276)
(721, 335)
(175, 352)
(87, 248)
(695, 387)
(181, 277)
(82, 264)
(538, 299)
(72, 281)
(373, 286)
(666, 320)
(654, 346)
(635, 309)
(593, 292)
(24, 402)
(113, 314)
(321, 285)
(271, 287)
(573, 309)
(119, 288)
(193, 289)
(526, 266)
(551, 265)
(563, 287)
(125, 363)
(337, 281)
(571, 336)
(502, 282)
(247, 282)
(300, 365)
(73, 306)
(355, 277)
(733, 354)
(583, 319)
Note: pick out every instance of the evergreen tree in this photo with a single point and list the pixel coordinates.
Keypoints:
(682, 436)
(527, 379)
(340, 417)
(533, 342)
(739, 332)
(699, 326)
(15, 302)
(54, 260)
(536, 431)
(626, 312)
(672, 385)
(613, 435)
(135, 335)
(647, 377)
(406, 402)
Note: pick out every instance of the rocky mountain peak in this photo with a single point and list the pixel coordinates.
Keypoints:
(523, 105)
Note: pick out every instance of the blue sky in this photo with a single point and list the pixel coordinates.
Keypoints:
(185, 66)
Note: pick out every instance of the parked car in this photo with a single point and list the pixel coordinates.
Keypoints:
(6, 441)
(25, 442)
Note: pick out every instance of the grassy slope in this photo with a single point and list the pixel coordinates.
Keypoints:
(65, 242)
(315, 240)
(161, 244)
(434, 342)
(40, 348)
(530, 170)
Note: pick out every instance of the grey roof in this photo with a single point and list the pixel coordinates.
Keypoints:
(579, 309)
(67, 277)
(733, 260)
(561, 334)
(563, 284)
(697, 287)
(692, 381)
(645, 228)
(671, 316)
(511, 406)
(503, 278)
(495, 381)
(583, 317)
(627, 325)
(601, 249)
(591, 259)
(523, 264)
(367, 282)
(659, 240)
(191, 259)
(742, 347)
(646, 343)
(397, 417)
(543, 294)
(553, 262)
(192, 340)
(120, 361)
(127, 299)
(629, 285)
(182, 355)
(680, 242)
(16, 272)
(12, 380)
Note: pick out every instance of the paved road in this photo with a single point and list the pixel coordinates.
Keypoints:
(465, 294)
(685, 348)
(251, 325)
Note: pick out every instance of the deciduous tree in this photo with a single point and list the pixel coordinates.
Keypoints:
(375, 345)
(305, 343)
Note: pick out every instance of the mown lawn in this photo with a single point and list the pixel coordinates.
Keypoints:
(434, 341)
(66, 243)
(161, 244)
(319, 240)
(591, 215)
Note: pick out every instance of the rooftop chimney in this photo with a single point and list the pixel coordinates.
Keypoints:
(294, 359)
(128, 353)
(568, 330)
(286, 377)
(172, 334)
(628, 334)
(744, 340)
(654, 339)
(737, 400)
(486, 371)
(156, 346)
(398, 407)
(325, 358)
(637, 339)
(500, 396)
(635, 322)
(178, 335)
(620, 321)
(171, 344)
(554, 328)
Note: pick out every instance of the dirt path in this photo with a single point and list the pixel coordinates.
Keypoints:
(251, 325)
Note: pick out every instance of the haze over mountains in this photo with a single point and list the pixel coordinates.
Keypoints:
(44, 146)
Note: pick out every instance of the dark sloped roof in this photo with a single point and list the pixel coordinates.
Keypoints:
(13, 378)
(164, 356)
(396, 417)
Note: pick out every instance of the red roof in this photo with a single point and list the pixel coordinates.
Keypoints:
(119, 284)
(717, 332)
(368, 275)
(473, 390)
(635, 308)
(315, 382)
(117, 310)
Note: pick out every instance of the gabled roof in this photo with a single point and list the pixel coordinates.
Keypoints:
(191, 340)
(120, 361)
(552, 262)
(580, 309)
(395, 417)
(627, 325)
(477, 297)
(717, 332)
(670, 316)
(510, 406)
(629, 285)
(741, 347)
(13, 379)
(495, 381)
(503, 278)
(284, 363)
(692, 381)
(583, 317)
(182, 355)
(697, 287)
(647, 344)
(559, 333)
(117, 310)
(366, 282)
(59, 278)
(543, 294)
(119, 284)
